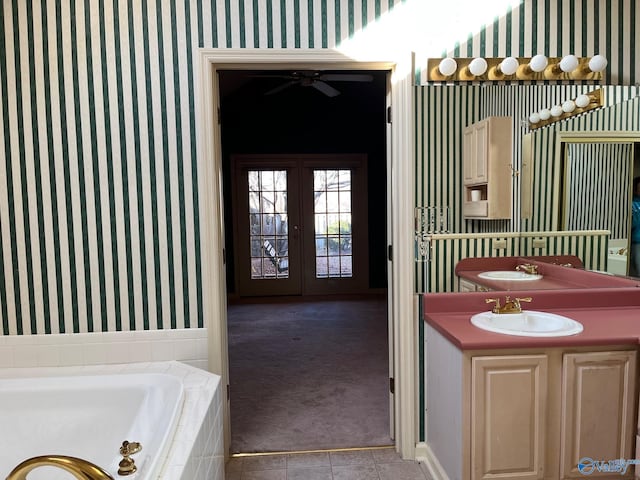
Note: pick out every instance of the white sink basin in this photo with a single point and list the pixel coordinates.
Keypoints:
(529, 323)
(509, 275)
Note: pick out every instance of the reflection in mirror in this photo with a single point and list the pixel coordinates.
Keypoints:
(596, 184)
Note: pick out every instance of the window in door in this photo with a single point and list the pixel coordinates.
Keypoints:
(332, 214)
(268, 224)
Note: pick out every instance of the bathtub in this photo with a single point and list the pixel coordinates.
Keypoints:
(91, 411)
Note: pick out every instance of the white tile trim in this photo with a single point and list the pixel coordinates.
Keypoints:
(66, 350)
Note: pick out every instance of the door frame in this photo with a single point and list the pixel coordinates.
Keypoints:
(400, 167)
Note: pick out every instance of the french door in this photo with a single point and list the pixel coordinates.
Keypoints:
(300, 224)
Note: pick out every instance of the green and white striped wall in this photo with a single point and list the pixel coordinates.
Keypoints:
(99, 207)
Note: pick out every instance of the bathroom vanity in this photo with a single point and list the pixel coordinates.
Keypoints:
(553, 272)
(532, 407)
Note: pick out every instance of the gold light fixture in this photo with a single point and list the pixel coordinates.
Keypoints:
(536, 68)
(569, 108)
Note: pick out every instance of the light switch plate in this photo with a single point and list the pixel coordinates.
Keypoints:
(502, 243)
(539, 243)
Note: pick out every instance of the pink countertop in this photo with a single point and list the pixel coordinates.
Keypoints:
(609, 317)
(554, 274)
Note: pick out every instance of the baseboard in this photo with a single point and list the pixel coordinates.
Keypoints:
(425, 455)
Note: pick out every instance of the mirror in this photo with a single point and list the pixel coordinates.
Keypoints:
(594, 171)
(538, 182)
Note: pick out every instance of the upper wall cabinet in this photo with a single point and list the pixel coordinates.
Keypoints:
(487, 153)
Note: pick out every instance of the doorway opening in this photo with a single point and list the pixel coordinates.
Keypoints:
(305, 196)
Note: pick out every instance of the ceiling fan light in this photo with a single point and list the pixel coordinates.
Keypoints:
(447, 67)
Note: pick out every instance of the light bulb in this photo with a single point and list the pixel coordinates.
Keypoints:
(545, 114)
(534, 118)
(447, 66)
(556, 111)
(478, 66)
(569, 63)
(583, 100)
(568, 106)
(509, 65)
(597, 63)
(538, 63)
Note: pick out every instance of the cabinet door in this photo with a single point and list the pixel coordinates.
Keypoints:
(482, 150)
(468, 155)
(598, 391)
(508, 410)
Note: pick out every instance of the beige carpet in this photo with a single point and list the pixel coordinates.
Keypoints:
(308, 375)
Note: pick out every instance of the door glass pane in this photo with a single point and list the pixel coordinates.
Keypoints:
(333, 235)
(268, 224)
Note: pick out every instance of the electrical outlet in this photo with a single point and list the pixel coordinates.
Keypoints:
(539, 243)
(502, 243)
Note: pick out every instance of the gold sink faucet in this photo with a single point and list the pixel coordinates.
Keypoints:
(510, 306)
(528, 268)
(79, 468)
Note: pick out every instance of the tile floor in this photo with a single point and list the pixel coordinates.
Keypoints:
(379, 464)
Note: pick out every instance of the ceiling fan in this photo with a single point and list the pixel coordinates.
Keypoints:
(317, 80)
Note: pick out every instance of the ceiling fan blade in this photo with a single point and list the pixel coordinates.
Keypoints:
(279, 88)
(325, 88)
(346, 77)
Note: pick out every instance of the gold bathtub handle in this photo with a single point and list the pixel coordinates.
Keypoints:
(79, 468)
(128, 465)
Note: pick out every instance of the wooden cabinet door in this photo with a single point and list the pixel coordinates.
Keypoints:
(508, 416)
(468, 155)
(482, 151)
(598, 398)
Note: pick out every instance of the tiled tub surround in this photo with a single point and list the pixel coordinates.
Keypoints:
(64, 350)
(197, 449)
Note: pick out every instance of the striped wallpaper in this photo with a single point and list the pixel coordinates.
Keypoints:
(598, 179)
(99, 205)
(559, 27)
(448, 249)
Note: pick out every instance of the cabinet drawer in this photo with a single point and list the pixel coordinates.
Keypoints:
(476, 209)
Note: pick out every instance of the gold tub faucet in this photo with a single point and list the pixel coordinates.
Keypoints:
(79, 468)
(510, 306)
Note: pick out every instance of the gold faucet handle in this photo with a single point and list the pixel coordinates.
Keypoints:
(496, 307)
(130, 448)
(525, 299)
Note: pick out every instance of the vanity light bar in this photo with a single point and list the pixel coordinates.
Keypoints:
(536, 68)
(582, 103)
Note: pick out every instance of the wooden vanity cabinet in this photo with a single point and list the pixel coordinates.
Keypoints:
(487, 158)
(465, 285)
(534, 416)
(598, 410)
(508, 416)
